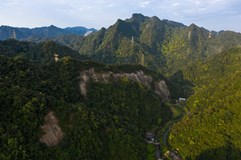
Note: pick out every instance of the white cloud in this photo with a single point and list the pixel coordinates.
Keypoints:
(175, 4)
(97, 13)
(144, 4)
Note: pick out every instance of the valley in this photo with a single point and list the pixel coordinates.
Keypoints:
(110, 89)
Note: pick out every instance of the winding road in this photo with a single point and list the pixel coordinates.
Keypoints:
(172, 154)
(164, 138)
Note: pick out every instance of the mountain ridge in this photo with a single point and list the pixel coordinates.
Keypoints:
(45, 32)
(106, 104)
(146, 41)
(155, 43)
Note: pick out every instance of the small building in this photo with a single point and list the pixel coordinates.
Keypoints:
(182, 101)
(150, 136)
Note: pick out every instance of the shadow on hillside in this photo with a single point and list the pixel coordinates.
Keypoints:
(179, 86)
(228, 152)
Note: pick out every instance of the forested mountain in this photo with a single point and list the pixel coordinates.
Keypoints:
(41, 33)
(109, 88)
(211, 128)
(71, 109)
(135, 40)
(161, 45)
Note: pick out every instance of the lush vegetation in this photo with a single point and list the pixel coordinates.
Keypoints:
(109, 123)
(211, 128)
(160, 45)
(39, 52)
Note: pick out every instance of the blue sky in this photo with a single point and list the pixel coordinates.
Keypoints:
(210, 14)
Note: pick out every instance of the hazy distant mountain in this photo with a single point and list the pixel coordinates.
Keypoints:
(80, 30)
(41, 33)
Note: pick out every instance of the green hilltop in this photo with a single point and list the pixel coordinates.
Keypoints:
(109, 88)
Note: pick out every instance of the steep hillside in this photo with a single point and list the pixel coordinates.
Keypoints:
(45, 115)
(211, 127)
(75, 108)
(136, 40)
(160, 45)
(71, 41)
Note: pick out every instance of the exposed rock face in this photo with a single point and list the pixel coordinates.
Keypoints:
(53, 133)
(160, 88)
